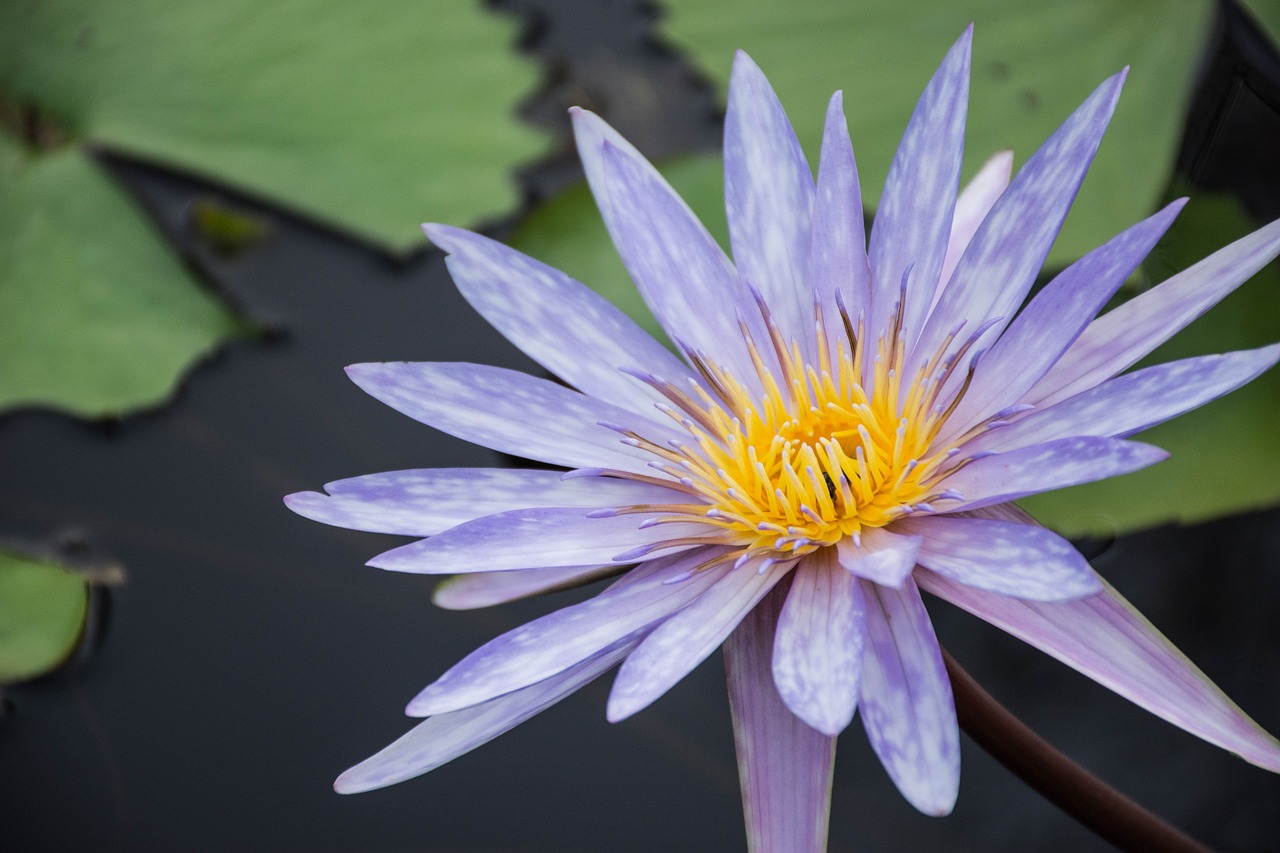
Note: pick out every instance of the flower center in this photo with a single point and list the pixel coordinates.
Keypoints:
(824, 451)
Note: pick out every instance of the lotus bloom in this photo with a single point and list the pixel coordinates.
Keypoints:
(844, 423)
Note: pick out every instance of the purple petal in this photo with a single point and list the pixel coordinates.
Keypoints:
(838, 248)
(1053, 319)
(913, 219)
(682, 642)
(884, 557)
(1135, 401)
(443, 738)
(1105, 638)
(784, 766)
(424, 502)
(1001, 263)
(563, 325)
(683, 274)
(485, 589)
(1022, 560)
(906, 700)
(533, 538)
(1043, 467)
(511, 412)
(972, 206)
(557, 641)
(768, 192)
(817, 654)
(1120, 337)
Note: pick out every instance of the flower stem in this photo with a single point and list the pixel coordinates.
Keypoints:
(1083, 796)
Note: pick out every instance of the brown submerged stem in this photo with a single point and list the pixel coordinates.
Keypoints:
(1083, 796)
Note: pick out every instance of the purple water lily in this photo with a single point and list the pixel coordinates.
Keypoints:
(845, 424)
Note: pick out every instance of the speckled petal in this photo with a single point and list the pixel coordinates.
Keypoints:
(511, 412)
(442, 738)
(485, 589)
(423, 502)
(884, 557)
(1010, 247)
(531, 538)
(1042, 467)
(768, 192)
(1052, 320)
(1120, 337)
(817, 653)
(838, 247)
(565, 326)
(1135, 401)
(685, 640)
(683, 274)
(1021, 560)
(913, 219)
(559, 640)
(906, 704)
(1105, 638)
(972, 206)
(784, 766)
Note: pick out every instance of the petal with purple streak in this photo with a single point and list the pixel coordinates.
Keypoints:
(883, 556)
(485, 589)
(784, 766)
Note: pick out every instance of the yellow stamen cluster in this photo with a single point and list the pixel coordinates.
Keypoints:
(821, 453)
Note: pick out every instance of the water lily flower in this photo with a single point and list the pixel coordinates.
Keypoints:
(844, 424)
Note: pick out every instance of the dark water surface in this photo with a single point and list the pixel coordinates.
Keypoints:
(251, 657)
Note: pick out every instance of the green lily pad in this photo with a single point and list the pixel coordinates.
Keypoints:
(372, 118)
(1226, 457)
(1033, 63)
(42, 614)
(1266, 13)
(97, 315)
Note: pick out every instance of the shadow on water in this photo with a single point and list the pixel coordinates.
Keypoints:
(252, 657)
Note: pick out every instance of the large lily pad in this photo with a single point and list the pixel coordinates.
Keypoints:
(42, 615)
(369, 117)
(1226, 456)
(1034, 62)
(97, 315)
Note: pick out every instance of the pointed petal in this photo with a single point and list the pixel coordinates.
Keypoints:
(972, 206)
(884, 557)
(913, 219)
(817, 653)
(1120, 337)
(768, 191)
(1043, 467)
(1135, 401)
(1010, 247)
(682, 642)
(1052, 320)
(533, 538)
(423, 502)
(838, 248)
(1022, 560)
(683, 274)
(442, 738)
(784, 766)
(485, 589)
(906, 700)
(557, 641)
(1105, 638)
(510, 412)
(563, 325)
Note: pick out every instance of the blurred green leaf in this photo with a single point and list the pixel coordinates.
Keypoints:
(1226, 455)
(42, 613)
(370, 117)
(1266, 13)
(97, 316)
(1033, 63)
